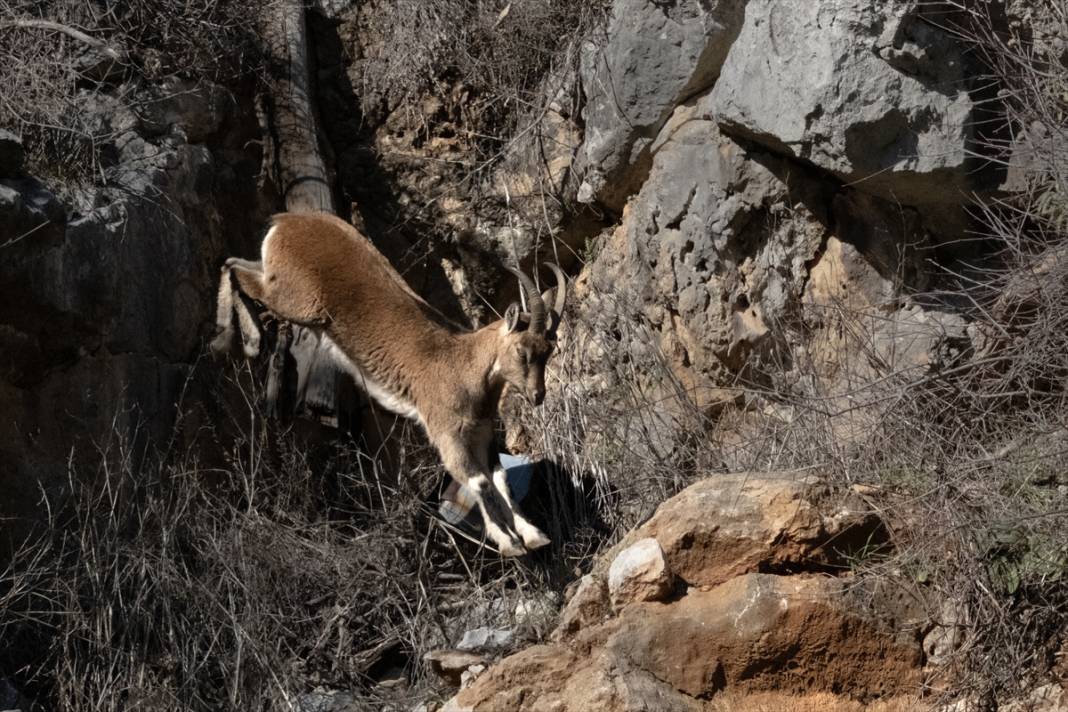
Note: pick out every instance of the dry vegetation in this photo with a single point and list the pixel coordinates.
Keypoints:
(173, 579)
(58, 57)
(172, 583)
(499, 51)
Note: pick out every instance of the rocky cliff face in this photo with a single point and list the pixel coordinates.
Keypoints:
(108, 293)
(808, 156)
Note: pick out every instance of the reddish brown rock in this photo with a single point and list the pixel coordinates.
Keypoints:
(794, 635)
(728, 525)
(587, 605)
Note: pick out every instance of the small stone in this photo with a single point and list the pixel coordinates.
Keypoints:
(324, 700)
(470, 674)
(639, 573)
(486, 639)
(947, 635)
(450, 665)
(537, 612)
(1046, 698)
(394, 677)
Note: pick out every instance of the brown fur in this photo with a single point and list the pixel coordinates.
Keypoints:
(320, 272)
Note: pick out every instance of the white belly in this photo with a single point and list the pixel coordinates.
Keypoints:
(383, 396)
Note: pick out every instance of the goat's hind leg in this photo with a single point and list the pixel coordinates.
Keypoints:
(250, 279)
(238, 276)
(224, 314)
(228, 304)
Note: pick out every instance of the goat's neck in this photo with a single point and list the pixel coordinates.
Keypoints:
(477, 351)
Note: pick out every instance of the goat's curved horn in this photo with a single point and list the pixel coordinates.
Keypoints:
(534, 301)
(561, 289)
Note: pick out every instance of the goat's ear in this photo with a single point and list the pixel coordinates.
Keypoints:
(549, 295)
(511, 318)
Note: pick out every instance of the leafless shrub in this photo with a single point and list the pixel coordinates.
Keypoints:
(499, 50)
(58, 57)
(620, 417)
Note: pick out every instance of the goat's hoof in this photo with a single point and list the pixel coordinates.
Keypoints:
(512, 549)
(535, 539)
(220, 345)
(252, 349)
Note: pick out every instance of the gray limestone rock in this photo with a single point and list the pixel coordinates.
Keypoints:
(867, 91)
(656, 56)
(639, 573)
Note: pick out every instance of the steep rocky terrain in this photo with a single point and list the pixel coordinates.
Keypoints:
(740, 593)
(733, 221)
(727, 592)
(108, 299)
(768, 210)
(823, 160)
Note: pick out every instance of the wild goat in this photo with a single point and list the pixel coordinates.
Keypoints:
(320, 272)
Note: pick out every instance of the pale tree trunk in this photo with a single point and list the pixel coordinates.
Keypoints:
(302, 174)
(304, 182)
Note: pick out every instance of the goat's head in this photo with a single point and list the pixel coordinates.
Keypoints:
(527, 339)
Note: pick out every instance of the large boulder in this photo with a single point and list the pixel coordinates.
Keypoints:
(728, 525)
(797, 635)
(870, 92)
(656, 55)
(731, 631)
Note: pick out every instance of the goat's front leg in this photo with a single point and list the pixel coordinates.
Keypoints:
(497, 515)
(533, 538)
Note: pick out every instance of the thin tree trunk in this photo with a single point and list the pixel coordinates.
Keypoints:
(302, 174)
